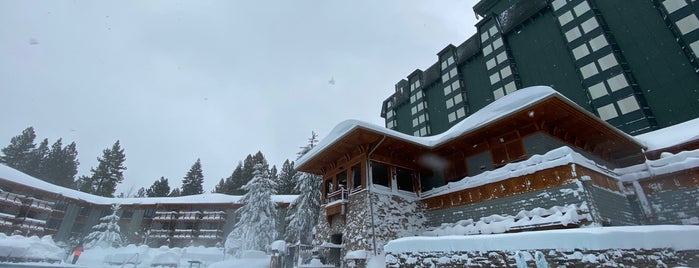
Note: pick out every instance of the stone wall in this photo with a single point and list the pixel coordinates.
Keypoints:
(547, 258)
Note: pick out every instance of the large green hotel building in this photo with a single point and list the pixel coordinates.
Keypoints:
(632, 63)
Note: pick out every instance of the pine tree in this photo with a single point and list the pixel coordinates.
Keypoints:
(36, 166)
(287, 179)
(257, 226)
(192, 183)
(141, 192)
(109, 173)
(233, 185)
(19, 153)
(175, 193)
(107, 232)
(60, 164)
(160, 188)
(304, 215)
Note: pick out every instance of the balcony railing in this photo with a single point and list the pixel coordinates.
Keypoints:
(339, 195)
(11, 198)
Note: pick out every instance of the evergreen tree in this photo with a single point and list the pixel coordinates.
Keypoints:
(233, 185)
(107, 232)
(19, 153)
(175, 193)
(60, 164)
(192, 183)
(304, 215)
(141, 192)
(287, 179)
(109, 173)
(257, 227)
(37, 161)
(160, 188)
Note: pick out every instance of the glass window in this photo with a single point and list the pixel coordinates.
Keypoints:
(493, 30)
(356, 176)
(457, 98)
(429, 180)
(450, 103)
(498, 93)
(460, 112)
(556, 4)
(505, 72)
(607, 62)
(447, 90)
(414, 122)
(342, 180)
(580, 51)
(413, 110)
(404, 179)
(444, 65)
(502, 57)
(598, 42)
(490, 63)
(695, 48)
(455, 85)
(484, 36)
(628, 105)
(510, 87)
(688, 24)
(674, 5)
(497, 43)
(573, 34)
(445, 77)
(452, 117)
(607, 112)
(597, 90)
(589, 70)
(450, 60)
(452, 73)
(494, 78)
(589, 25)
(581, 8)
(487, 49)
(617, 82)
(565, 18)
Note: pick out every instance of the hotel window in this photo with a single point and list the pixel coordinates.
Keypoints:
(557, 4)
(581, 8)
(580, 51)
(497, 43)
(607, 62)
(573, 34)
(565, 18)
(674, 5)
(589, 25)
(484, 36)
(695, 48)
(502, 57)
(460, 112)
(379, 174)
(589, 70)
(494, 78)
(390, 124)
(493, 30)
(688, 24)
(487, 50)
(450, 103)
(510, 87)
(505, 72)
(617, 82)
(607, 112)
(447, 62)
(452, 117)
(597, 90)
(490, 63)
(498, 93)
(598, 42)
(628, 105)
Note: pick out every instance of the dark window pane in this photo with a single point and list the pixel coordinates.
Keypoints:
(342, 180)
(356, 176)
(404, 179)
(379, 174)
(429, 180)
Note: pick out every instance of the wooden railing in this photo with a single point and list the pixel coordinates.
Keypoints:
(340, 194)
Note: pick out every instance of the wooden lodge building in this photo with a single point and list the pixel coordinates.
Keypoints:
(29, 206)
(533, 157)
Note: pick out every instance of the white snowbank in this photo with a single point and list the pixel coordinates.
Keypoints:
(494, 224)
(677, 237)
(30, 248)
(670, 136)
(13, 175)
(668, 163)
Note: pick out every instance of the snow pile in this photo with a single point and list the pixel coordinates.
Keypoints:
(556, 157)
(495, 224)
(670, 136)
(146, 256)
(676, 237)
(668, 163)
(357, 254)
(21, 248)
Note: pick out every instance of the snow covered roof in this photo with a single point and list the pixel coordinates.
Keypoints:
(501, 108)
(670, 136)
(668, 163)
(12, 175)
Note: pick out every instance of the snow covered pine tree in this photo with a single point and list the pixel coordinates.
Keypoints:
(107, 232)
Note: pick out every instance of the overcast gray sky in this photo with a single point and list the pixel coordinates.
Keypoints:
(179, 80)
